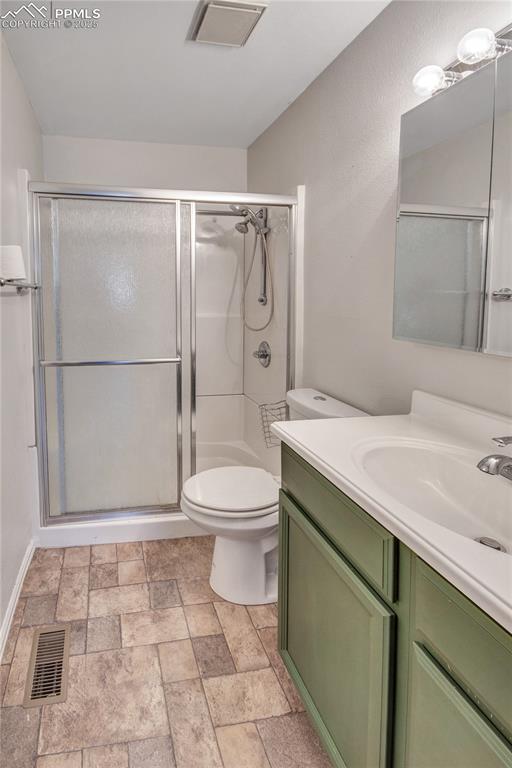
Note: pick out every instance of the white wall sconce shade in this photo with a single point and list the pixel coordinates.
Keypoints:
(433, 78)
(12, 269)
(227, 23)
(12, 266)
(481, 44)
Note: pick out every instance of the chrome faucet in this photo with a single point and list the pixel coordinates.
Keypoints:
(496, 463)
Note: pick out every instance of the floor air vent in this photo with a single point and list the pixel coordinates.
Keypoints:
(47, 679)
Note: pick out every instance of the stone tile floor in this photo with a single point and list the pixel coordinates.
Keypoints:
(163, 672)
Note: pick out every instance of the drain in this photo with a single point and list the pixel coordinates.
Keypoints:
(47, 678)
(492, 543)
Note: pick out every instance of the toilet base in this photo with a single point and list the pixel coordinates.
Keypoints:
(245, 572)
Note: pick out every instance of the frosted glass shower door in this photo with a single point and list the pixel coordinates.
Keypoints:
(109, 355)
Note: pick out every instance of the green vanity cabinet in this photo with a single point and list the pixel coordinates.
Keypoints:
(476, 652)
(338, 644)
(395, 666)
(369, 546)
(444, 728)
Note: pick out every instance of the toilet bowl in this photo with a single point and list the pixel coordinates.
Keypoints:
(240, 507)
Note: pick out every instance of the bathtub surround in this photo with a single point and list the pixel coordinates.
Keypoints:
(231, 383)
(219, 341)
(21, 148)
(341, 139)
(266, 385)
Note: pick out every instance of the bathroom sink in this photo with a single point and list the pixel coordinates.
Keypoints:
(441, 483)
(416, 474)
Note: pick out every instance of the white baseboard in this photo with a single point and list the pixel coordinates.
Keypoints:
(163, 526)
(11, 607)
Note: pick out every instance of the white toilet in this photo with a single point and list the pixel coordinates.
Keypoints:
(240, 506)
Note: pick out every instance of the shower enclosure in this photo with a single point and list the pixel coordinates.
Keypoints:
(143, 345)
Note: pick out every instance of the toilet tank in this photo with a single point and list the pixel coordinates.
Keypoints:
(312, 404)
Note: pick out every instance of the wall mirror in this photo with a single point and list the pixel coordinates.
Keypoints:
(453, 270)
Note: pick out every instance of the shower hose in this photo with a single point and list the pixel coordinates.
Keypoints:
(270, 280)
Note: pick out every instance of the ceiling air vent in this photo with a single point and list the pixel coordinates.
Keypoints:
(226, 23)
(47, 677)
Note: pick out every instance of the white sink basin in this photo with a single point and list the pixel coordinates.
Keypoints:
(416, 475)
(442, 483)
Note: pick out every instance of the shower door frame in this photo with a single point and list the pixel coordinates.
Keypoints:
(55, 190)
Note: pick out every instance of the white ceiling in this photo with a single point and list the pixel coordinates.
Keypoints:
(136, 76)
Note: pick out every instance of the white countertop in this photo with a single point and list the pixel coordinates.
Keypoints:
(332, 446)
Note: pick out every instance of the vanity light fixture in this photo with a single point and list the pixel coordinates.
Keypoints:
(481, 44)
(430, 79)
(477, 46)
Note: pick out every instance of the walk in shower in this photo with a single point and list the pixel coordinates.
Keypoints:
(144, 362)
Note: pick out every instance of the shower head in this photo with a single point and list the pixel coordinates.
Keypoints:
(241, 226)
(258, 220)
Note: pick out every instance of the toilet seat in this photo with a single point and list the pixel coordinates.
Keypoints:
(232, 492)
(240, 515)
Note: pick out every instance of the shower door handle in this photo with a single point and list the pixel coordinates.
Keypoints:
(138, 361)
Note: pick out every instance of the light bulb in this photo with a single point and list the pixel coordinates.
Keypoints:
(433, 78)
(428, 80)
(477, 45)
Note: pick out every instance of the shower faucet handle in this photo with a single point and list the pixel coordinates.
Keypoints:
(263, 354)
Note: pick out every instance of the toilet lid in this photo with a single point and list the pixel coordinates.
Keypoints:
(232, 489)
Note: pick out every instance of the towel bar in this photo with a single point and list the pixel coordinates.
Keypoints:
(20, 285)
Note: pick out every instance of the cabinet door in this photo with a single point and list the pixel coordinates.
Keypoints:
(336, 638)
(482, 664)
(444, 729)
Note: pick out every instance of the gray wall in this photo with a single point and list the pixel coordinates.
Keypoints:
(340, 138)
(144, 164)
(21, 148)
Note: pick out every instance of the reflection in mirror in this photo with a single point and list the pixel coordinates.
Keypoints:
(498, 339)
(445, 165)
(439, 284)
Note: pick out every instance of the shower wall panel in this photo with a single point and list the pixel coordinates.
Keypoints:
(219, 334)
(267, 385)
(219, 338)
